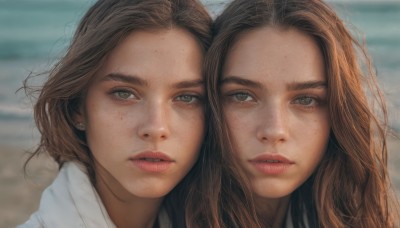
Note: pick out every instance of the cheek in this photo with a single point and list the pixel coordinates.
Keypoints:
(197, 127)
(189, 127)
(322, 129)
(317, 140)
(105, 120)
(188, 139)
(107, 128)
(237, 121)
(239, 126)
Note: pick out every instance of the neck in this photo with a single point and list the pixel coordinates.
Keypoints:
(272, 212)
(125, 209)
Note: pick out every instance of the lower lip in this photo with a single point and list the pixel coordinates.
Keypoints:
(152, 167)
(271, 168)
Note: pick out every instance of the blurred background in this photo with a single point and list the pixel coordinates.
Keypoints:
(35, 33)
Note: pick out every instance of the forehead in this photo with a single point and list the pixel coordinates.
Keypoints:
(160, 41)
(162, 52)
(275, 51)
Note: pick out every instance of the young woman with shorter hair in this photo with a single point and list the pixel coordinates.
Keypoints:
(122, 113)
(296, 110)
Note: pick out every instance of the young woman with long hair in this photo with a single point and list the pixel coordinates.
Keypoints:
(302, 115)
(122, 113)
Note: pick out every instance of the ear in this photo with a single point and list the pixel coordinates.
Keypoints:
(80, 119)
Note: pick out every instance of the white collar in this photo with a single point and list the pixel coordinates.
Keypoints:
(71, 201)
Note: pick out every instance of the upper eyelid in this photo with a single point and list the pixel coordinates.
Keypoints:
(193, 96)
(314, 92)
(307, 97)
(122, 89)
(236, 91)
(310, 92)
(253, 98)
(316, 101)
(232, 86)
(133, 93)
(190, 92)
(196, 94)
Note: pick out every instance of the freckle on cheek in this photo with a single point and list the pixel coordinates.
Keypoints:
(119, 116)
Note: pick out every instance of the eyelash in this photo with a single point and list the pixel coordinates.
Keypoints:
(194, 98)
(116, 93)
(234, 97)
(313, 101)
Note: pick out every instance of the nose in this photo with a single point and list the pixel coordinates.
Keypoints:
(154, 126)
(273, 127)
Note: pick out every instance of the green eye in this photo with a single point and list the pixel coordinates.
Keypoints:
(305, 101)
(187, 98)
(242, 97)
(125, 95)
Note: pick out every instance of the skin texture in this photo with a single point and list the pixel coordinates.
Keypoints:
(148, 96)
(274, 89)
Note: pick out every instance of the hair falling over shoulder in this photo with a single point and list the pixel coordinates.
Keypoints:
(351, 186)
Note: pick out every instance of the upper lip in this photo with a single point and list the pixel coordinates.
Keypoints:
(271, 157)
(152, 155)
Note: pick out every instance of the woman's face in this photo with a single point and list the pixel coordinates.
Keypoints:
(144, 113)
(275, 101)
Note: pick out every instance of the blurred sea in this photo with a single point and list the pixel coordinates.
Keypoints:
(33, 34)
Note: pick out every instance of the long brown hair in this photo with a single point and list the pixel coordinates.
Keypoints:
(101, 29)
(351, 187)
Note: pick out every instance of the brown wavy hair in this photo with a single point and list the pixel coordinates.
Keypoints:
(101, 29)
(351, 186)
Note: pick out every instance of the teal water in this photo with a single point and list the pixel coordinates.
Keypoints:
(34, 33)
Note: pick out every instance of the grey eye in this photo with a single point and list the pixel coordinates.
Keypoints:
(305, 100)
(124, 94)
(187, 98)
(242, 96)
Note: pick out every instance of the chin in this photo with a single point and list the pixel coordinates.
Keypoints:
(272, 192)
(152, 195)
(273, 195)
(152, 192)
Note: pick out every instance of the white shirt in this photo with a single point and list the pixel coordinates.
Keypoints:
(71, 201)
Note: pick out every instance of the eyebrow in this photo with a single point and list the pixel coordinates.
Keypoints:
(292, 86)
(132, 79)
(306, 85)
(189, 84)
(241, 81)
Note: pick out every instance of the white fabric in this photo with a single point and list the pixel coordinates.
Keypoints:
(71, 201)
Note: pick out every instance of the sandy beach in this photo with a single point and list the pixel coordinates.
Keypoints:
(20, 194)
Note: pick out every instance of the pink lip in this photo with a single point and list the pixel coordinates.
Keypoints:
(151, 161)
(271, 164)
